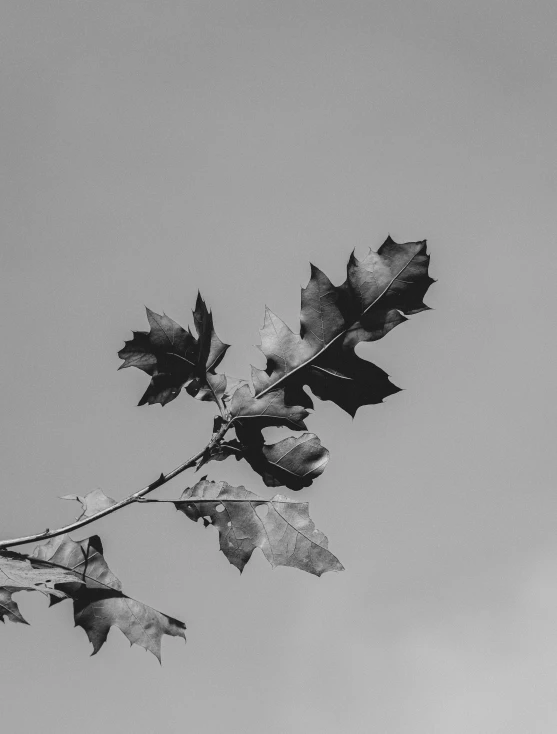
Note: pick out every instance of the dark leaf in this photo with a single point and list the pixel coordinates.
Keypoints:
(92, 502)
(100, 602)
(281, 527)
(343, 377)
(211, 349)
(382, 287)
(293, 462)
(174, 358)
(168, 353)
(207, 384)
(372, 301)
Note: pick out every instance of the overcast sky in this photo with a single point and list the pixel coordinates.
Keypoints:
(149, 149)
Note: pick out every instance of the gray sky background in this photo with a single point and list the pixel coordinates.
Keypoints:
(152, 148)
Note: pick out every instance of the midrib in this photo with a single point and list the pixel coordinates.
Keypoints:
(342, 333)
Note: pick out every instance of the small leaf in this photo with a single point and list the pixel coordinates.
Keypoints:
(293, 462)
(92, 502)
(100, 603)
(286, 534)
(296, 461)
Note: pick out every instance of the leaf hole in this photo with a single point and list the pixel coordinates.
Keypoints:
(220, 508)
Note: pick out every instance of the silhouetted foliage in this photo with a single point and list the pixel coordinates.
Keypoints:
(379, 293)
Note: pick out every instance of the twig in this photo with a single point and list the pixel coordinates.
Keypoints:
(163, 479)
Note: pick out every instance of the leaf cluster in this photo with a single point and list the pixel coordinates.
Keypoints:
(379, 293)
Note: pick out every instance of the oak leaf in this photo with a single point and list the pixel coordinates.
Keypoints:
(293, 462)
(100, 602)
(280, 527)
(167, 353)
(174, 358)
(377, 293)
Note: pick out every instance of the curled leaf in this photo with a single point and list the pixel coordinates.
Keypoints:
(296, 461)
(293, 462)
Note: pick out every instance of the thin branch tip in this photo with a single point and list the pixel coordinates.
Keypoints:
(131, 499)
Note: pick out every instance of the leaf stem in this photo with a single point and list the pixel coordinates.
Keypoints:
(163, 479)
